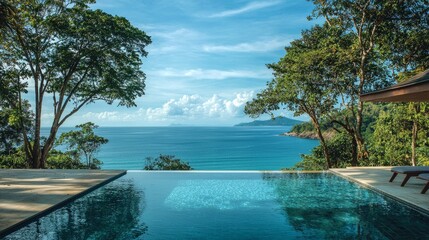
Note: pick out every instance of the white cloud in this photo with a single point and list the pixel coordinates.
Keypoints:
(106, 115)
(195, 106)
(188, 109)
(211, 73)
(249, 7)
(260, 46)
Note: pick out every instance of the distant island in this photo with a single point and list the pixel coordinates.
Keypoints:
(278, 121)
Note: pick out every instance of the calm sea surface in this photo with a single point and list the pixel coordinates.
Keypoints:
(205, 148)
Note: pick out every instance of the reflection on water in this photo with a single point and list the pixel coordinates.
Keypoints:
(178, 205)
(111, 212)
(322, 206)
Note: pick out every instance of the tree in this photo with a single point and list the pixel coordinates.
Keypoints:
(166, 162)
(368, 21)
(6, 14)
(84, 143)
(14, 118)
(75, 55)
(395, 131)
(408, 55)
(305, 77)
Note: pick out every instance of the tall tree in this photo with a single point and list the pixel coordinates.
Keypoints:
(406, 49)
(76, 56)
(368, 20)
(304, 78)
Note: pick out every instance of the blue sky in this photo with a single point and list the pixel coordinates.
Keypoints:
(206, 60)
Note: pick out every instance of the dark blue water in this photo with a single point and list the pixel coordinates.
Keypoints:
(205, 148)
(171, 205)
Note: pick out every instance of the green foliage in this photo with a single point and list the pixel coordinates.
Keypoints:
(166, 162)
(14, 120)
(75, 54)
(60, 160)
(308, 163)
(388, 132)
(315, 72)
(298, 83)
(303, 127)
(6, 15)
(14, 160)
(391, 142)
(405, 39)
(278, 121)
(56, 160)
(371, 113)
(340, 149)
(83, 144)
(324, 72)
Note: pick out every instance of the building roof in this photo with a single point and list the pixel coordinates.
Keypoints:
(415, 89)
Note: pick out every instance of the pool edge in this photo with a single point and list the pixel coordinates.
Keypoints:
(407, 203)
(26, 221)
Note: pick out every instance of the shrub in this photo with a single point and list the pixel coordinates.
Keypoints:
(15, 160)
(166, 162)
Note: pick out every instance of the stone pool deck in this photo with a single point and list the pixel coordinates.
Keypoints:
(26, 194)
(377, 178)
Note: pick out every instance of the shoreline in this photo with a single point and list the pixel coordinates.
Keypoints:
(309, 135)
(304, 135)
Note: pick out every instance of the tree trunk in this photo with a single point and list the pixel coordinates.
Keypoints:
(414, 142)
(322, 141)
(354, 152)
(361, 149)
(415, 130)
(49, 144)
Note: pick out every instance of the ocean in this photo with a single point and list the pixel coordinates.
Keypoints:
(204, 148)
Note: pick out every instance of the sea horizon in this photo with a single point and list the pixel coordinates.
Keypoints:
(203, 147)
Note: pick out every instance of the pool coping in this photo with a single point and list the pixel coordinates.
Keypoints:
(14, 227)
(413, 205)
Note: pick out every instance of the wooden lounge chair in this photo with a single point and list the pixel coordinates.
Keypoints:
(410, 171)
(424, 176)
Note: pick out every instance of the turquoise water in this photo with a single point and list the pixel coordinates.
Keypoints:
(205, 148)
(172, 205)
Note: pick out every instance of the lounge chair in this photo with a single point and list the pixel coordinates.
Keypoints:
(410, 171)
(424, 176)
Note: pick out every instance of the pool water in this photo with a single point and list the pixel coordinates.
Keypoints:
(196, 205)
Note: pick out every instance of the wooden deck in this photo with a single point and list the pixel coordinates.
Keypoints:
(27, 194)
(377, 178)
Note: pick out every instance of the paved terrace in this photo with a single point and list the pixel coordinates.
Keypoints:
(28, 194)
(377, 178)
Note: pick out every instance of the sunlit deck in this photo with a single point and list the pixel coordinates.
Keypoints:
(377, 178)
(27, 194)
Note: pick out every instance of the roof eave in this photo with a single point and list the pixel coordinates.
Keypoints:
(410, 93)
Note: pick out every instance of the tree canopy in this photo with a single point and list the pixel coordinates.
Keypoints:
(362, 46)
(84, 143)
(73, 54)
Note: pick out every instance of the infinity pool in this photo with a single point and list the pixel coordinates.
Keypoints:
(196, 205)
